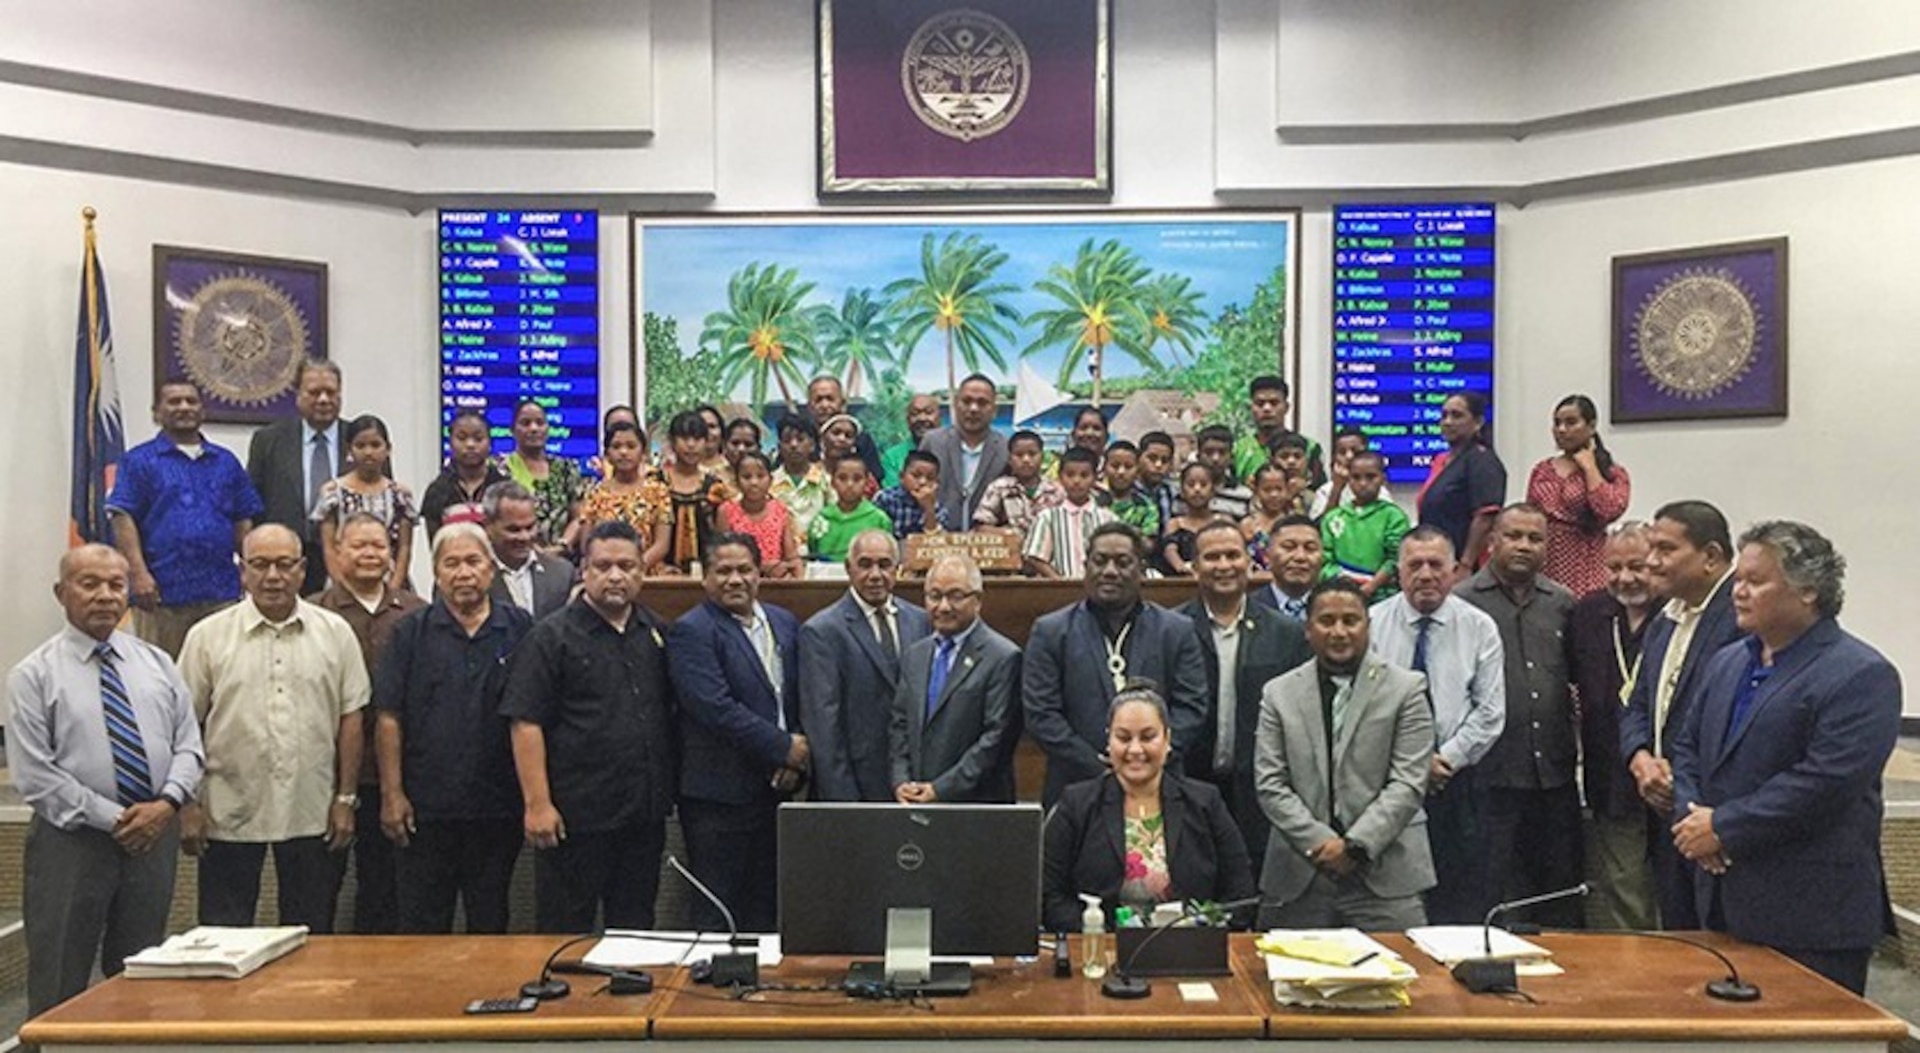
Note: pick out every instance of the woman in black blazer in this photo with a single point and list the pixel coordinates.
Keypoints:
(1142, 834)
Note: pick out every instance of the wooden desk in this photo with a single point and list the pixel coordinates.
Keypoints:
(377, 991)
(388, 992)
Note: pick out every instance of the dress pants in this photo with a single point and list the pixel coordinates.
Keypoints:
(1336, 902)
(732, 850)
(1618, 872)
(1533, 847)
(166, 627)
(1846, 968)
(309, 877)
(1672, 877)
(612, 872)
(1456, 832)
(376, 903)
(83, 894)
(469, 861)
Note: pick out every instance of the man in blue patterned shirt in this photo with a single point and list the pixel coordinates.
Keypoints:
(180, 507)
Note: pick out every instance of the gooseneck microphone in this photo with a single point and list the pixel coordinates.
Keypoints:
(1729, 988)
(549, 987)
(740, 968)
(1128, 987)
(1480, 975)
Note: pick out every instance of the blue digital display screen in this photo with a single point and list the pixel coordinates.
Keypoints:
(520, 319)
(1413, 316)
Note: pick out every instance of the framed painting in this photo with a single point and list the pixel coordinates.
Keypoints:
(987, 96)
(1701, 333)
(1159, 319)
(238, 326)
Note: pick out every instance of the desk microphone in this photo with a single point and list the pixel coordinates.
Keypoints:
(1480, 975)
(1127, 987)
(740, 968)
(1729, 988)
(549, 987)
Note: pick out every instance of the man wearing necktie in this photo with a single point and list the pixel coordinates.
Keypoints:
(1341, 762)
(1456, 646)
(735, 664)
(103, 746)
(853, 649)
(289, 460)
(1295, 557)
(956, 712)
(1777, 769)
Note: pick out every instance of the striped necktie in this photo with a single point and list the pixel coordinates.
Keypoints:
(132, 780)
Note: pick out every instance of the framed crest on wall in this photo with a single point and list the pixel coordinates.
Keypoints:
(237, 326)
(1701, 333)
(934, 96)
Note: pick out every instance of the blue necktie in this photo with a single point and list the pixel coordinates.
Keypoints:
(937, 676)
(1420, 645)
(132, 780)
(1295, 610)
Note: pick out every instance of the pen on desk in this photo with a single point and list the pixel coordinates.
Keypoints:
(1365, 958)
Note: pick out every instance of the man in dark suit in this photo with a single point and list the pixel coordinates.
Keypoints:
(853, 650)
(827, 400)
(1245, 644)
(524, 577)
(735, 665)
(289, 460)
(956, 713)
(1690, 561)
(1777, 769)
(970, 452)
(1079, 656)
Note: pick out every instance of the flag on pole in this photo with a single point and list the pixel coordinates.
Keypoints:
(99, 436)
(1033, 395)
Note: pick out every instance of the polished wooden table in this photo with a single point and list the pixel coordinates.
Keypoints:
(387, 992)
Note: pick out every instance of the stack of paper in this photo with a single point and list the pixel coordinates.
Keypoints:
(1452, 944)
(633, 949)
(1334, 969)
(213, 951)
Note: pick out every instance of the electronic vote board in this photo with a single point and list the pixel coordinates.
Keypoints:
(520, 319)
(1413, 303)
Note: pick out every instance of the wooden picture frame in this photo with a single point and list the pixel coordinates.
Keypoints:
(1700, 333)
(988, 97)
(238, 326)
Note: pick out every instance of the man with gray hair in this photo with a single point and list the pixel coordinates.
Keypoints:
(1777, 769)
(290, 460)
(847, 683)
(449, 802)
(525, 577)
(103, 747)
(956, 712)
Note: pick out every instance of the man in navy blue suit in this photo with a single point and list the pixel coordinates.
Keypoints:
(735, 665)
(1777, 770)
(1690, 564)
(847, 683)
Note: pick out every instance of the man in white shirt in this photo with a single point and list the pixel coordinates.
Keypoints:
(278, 685)
(1457, 647)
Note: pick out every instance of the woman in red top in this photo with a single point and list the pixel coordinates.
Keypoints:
(1582, 490)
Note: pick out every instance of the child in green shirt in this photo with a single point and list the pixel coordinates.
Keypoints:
(1128, 504)
(1362, 540)
(833, 530)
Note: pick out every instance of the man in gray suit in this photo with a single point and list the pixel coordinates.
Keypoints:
(852, 650)
(289, 460)
(971, 453)
(956, 714)
(1077, 658)
(527, 578)
(1341, 768)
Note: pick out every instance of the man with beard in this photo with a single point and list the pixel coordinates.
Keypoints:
(1533, 804)
(1604, 636)
(1078, 657)
(1246, 645)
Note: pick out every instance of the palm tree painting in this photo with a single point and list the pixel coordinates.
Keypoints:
(764, 333)
(955, 292)
(1172, 312)
(854, 342)
(1097, 309)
